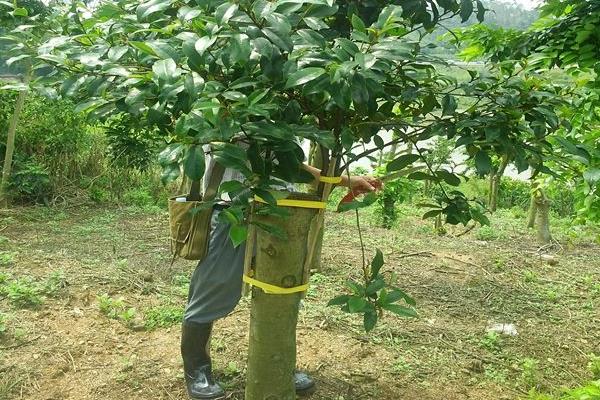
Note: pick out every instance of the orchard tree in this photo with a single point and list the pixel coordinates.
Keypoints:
(565, 36)
(254, 78)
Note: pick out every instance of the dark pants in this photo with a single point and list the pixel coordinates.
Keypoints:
(216, 285)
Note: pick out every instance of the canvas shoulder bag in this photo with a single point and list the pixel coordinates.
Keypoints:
(190, 218)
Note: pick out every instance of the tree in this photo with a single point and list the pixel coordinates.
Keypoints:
(267, 75)
(565, 36)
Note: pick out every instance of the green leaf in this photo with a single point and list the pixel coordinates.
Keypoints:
(204, 43)
(448, 177)
(169, 173)
(400, 310)
(194, 163)
(303, 76)
(370, 320)
(150, 7)
(339, 300)
(375, 286)
(480, 11)
(358, 23)
(432, 213)
(238, 234)
(376, 263)
(592, 176)
(20, 12)
(398, 294)
(448, 105)
(165, 70)
(170, 154)
(466, 9)
(402, 162)
(224, 12)
(483, 162)
(357, 304)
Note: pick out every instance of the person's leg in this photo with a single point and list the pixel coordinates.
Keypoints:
(215, 290)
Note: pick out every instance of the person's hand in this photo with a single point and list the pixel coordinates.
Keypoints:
(362, 184)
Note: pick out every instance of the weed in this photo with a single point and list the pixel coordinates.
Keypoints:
(530, 276)
(491, 341)
(401, 367)
(232, 369)
(3, 240)
(594, 366)
(530, 374)
(488, 233)
(2, 324)
(495, 374)
(163, 316)
(552, 295)
(6, 258)
(499, 264)
(590, 391)
(3, 278)
(116, 309)
(54, 283)
(23, 293)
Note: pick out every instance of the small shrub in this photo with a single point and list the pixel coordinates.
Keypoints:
(23, 293)
(488, 233)
(530, 374)
(54, 283)
(31, 182)
(163, 316)
(116, 309)
(594, 366)
(6, 258)
(491, 341)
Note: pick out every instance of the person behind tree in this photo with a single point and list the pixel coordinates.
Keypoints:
(215, 290)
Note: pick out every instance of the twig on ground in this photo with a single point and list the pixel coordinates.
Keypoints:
(467, 263)
(469, 229)
(417, 254)
(16, 346)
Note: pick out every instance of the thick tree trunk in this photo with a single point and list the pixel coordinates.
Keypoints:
(272, 347)
(543, 218)
(10, 147)
(532, 212)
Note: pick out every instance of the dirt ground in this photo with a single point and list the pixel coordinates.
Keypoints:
(107, 325)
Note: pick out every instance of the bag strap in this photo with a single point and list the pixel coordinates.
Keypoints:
(216, 176)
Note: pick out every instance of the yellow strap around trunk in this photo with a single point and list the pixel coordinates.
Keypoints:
(296, 203)
(272, 289)
(331, 179)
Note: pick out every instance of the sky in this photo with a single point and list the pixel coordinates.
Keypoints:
(526, 3)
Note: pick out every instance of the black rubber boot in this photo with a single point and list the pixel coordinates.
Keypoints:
(304, 383)
(195, 350)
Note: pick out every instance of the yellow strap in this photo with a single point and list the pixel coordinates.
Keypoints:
(296, 203)
(330, 179)
(272, 289)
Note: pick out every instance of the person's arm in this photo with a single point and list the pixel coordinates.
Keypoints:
(352, 182)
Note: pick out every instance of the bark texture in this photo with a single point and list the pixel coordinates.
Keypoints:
(10, 147)
(543, 218)
(272, 347)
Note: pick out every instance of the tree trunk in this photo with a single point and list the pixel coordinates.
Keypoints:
(316, 159)
(532, 212)
(495, 179)
(543, 218)
(272, 346)
(10, 146)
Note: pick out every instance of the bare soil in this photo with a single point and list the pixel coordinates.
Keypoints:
(67, 348)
